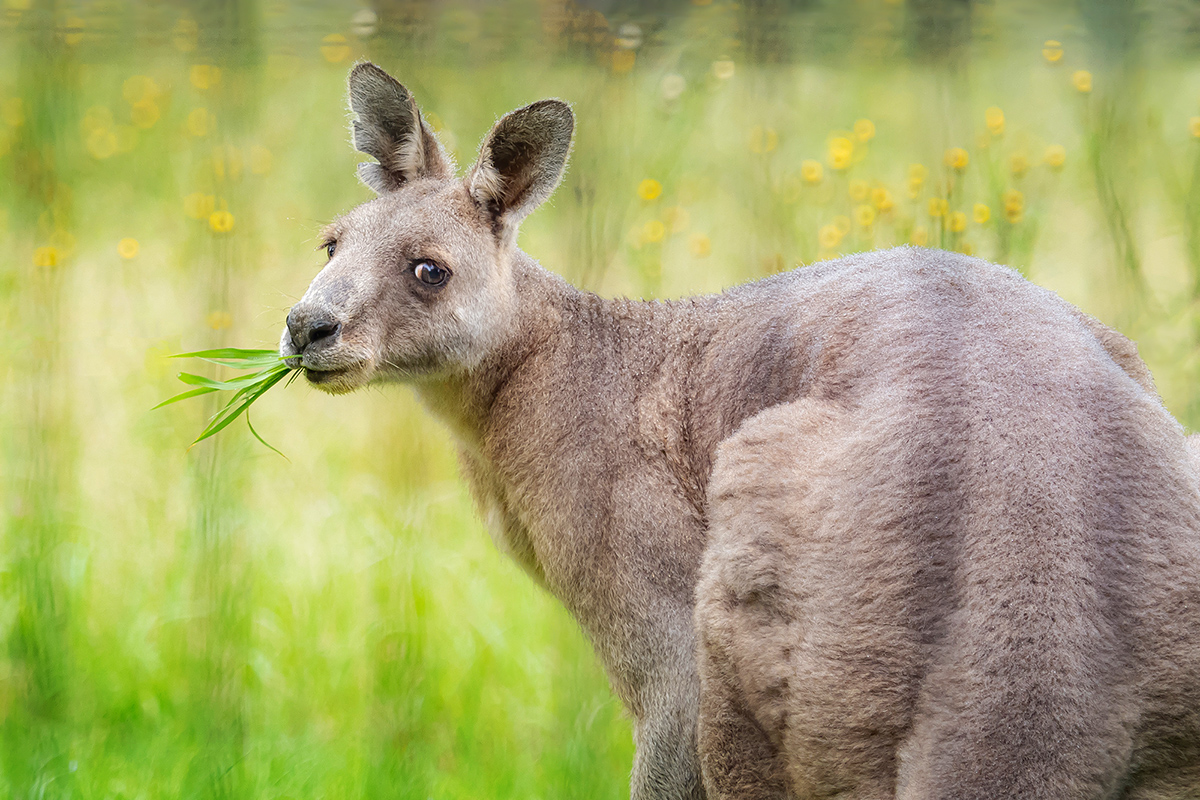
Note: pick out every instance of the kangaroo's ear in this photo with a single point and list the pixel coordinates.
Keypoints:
(522, 160)
(389, 127)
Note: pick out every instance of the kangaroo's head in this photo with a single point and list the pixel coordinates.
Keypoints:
(419, 280)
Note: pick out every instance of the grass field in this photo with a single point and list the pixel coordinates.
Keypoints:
(221, 622)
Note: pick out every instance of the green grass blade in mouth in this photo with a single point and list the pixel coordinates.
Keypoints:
(238, 404)
(234, 385)
(264, 442)
(269, 369)
(233, 354)
(184, 396)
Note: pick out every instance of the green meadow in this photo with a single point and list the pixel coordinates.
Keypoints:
(220, 622)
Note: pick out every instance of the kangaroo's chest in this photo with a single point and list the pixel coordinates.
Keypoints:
(501, 517)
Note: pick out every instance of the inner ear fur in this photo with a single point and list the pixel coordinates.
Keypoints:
(522, 160)
(390, 128)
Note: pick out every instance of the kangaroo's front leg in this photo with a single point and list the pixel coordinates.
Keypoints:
(666, 765)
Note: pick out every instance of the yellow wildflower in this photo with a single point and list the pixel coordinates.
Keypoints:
(45, 257)
(127, 247)
(967, 249)
(220, 320)
(723, 69)
(102, 143)
(957, 222)
(864, 215)
(920, 236)
(859, 189)
(699, 245)
(1014, 206)
(220, 221)
(653, 231)
(1018, 163)
(334, 48)
(811, 171)
(841, 151)
(864, 130)
(981, 213)
(917, 173)
(1052, 51)
(956, 158)
(881, 198)
(937, 206)
(1194, 127)
(144, 113)
(204, 76)
(649, 189)
(623, 61)
(842, 224)
(993, 117)
(829, 236)
(1056, 156)
(1082, 80)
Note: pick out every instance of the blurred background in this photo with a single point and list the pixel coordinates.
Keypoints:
(221, 622)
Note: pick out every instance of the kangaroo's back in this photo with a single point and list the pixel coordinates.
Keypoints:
(964, 562)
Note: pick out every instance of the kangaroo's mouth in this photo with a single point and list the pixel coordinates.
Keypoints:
(338, 380)
(323, 375)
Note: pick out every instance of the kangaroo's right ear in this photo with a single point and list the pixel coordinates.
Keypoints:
(522, 160)
(389, 127)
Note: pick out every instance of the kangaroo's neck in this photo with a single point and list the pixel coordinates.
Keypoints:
(559, 329)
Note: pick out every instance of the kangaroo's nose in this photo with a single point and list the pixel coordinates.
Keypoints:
(307, 325)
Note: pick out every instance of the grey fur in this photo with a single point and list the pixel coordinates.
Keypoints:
(901, 525)
(390, 128)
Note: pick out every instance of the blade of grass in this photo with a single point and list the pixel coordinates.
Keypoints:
(269, 369)
(231, 353)
(236, 383)
(185, 396)
(232, 411)
(262, 440)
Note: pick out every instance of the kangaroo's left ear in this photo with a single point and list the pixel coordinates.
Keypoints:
(522, 160)
(389, 127)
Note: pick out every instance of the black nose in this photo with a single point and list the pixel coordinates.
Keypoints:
(306, 327)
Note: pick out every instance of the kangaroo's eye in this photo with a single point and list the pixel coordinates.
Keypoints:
(430, 273)
(330, 247)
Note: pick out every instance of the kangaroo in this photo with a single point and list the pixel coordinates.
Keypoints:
(899, 525)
